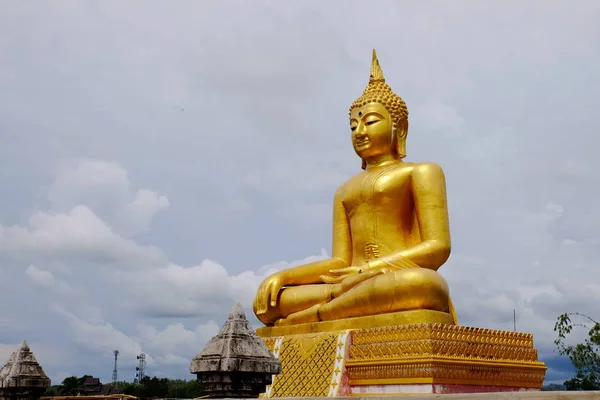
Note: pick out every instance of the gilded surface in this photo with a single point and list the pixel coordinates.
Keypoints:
(435, 372)
(308, 363)
(404, 355)
(270, 343)
(435, 353)
(390, 230)
(443, 332)
(441, 349)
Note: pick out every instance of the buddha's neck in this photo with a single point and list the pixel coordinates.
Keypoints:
(380, 161)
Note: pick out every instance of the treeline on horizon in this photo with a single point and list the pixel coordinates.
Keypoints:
(147, 388)
(161, 387)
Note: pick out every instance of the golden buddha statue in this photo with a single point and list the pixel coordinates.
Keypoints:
(390, 230)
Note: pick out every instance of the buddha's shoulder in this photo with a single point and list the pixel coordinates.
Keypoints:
(350, 183)
(417, 168)
(425, 168)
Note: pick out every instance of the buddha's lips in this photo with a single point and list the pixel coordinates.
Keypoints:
(362, 142)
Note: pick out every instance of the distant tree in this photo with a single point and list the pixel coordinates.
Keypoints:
(52, 390)
(72, 385)
(553, 388)
(153, 387)
(585, 356)
(149, 387)
(182, 389)
(193, 389)
(84, 378)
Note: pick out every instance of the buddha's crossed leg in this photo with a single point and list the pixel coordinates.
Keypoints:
(297, 299)
(402, 290)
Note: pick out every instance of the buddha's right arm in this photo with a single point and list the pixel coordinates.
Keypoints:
(341, 250)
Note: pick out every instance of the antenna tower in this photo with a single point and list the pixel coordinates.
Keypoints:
(140, 370)
(114, 377)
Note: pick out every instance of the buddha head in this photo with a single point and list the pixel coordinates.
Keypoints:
(378, 119)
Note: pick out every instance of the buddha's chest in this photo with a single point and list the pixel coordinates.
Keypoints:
(380, 190)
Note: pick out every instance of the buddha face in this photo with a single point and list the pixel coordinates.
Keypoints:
(371, 130)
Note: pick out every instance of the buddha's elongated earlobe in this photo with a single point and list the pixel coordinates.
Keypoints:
(401, 132)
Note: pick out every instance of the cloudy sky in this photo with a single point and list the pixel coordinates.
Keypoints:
(159, 159)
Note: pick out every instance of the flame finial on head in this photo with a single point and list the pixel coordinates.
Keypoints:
(376, 72)
(377, 91)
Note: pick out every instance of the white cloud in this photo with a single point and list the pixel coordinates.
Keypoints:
(94, 213)
(206, 290)
(46, 279)
(173, 345)
(78, 233)
(41, 277)
(176, 339)
(104, 187)
(99, 337)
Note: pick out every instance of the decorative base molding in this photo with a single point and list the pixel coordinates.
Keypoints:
(392, 390)
(404, 359)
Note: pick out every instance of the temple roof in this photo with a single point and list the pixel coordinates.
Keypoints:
(23, 370)
(235, 349)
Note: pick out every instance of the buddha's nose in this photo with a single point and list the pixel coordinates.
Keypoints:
(360, 134)
(361, 130)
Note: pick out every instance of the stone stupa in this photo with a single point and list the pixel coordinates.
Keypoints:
(22, 377)
(236, 362)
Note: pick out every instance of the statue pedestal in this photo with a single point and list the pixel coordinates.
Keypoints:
(401, 359)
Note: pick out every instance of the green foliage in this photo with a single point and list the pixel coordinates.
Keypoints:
(180, 388)
(147, 388)
(74, 385)
(163, 388)
(585, 356)
(51, 390)
(553, 388)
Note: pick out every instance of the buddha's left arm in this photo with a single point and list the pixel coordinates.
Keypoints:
(429, 196)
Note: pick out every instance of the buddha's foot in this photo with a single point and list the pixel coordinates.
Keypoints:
(311, 314)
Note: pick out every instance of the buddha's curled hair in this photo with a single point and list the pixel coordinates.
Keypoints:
(377, 91)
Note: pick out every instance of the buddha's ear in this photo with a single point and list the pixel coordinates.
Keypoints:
(364, 164)
(402, 128)
(401, 132)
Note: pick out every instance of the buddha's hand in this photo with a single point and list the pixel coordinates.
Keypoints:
(352, 274)
(354, 280)
(338, 275)
(268, 292)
